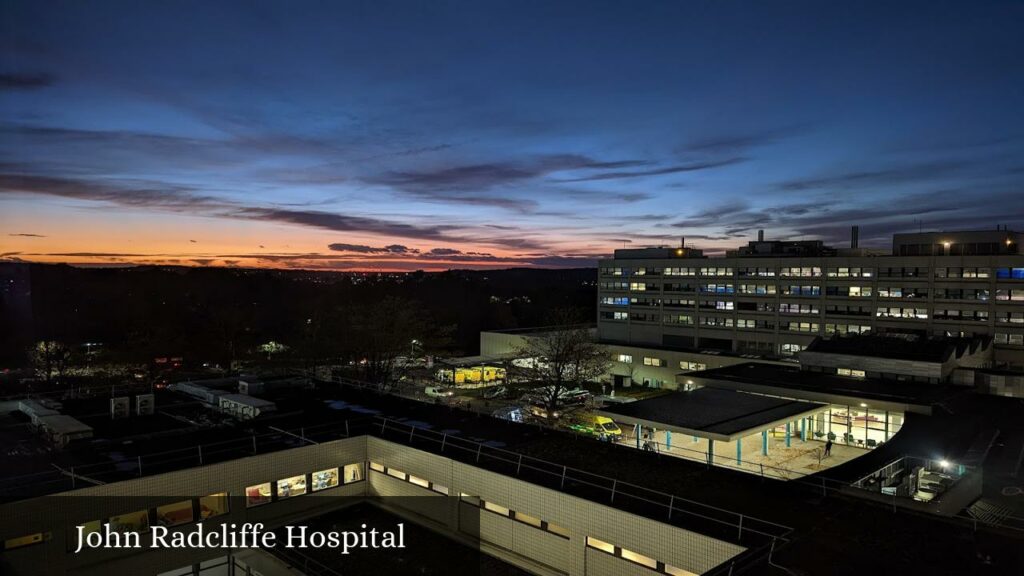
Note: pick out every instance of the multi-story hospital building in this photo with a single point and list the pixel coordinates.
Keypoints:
(772, 298)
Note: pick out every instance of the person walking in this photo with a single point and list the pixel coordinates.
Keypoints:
(828, 448)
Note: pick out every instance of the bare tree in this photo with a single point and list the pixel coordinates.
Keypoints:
(561, 359)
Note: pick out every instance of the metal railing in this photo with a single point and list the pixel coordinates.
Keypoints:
(734, 526)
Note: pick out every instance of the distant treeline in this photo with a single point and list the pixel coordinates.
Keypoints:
(218, 314)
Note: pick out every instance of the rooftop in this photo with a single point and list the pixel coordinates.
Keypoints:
(895, 347)
(712, 412)
(911, 543)
(783, 378)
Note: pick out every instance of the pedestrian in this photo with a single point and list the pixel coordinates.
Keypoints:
(828, 447)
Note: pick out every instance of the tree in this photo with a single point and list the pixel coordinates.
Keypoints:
(384, 331)
(50, 359)
(561, 359)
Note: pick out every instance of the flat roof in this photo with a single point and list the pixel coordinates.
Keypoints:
(711, 412)
(63, 424)
(936, 350)
(820, 387)
(248, 400)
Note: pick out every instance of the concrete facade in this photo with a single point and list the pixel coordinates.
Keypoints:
(536, 550)
(775, 306)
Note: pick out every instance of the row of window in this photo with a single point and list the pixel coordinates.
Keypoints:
(284, 488)
(635, 557)
(206, 507)
(1001, 317)
(965, 315)
(850, 372)
(846, 329)
(1012, 339)
(898, 312)
(970, 272)
(421, 482)
(520, 517)
(788, 308)
(941, 293)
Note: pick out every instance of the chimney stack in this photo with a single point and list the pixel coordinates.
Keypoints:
(682, 241)
(854, 236)
(760, 235)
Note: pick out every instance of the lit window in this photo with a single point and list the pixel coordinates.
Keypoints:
(640, 559)
(678, 571)
(497, 509)
(133, 522)
(174, 514)
(376, 466)
(469, 499)
(22, 541)
(625, 358)
(257, 495)
(527, 519)
(600, 545)
(419, 481)
(324, 479)
(439, 489)
(556, 529)
(353, 472)
(213, 505)
(294, 486)
(396, 473)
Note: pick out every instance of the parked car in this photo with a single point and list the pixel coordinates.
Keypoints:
(438, 392)
(495, 392)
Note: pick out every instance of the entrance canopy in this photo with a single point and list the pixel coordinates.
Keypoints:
(712, 413)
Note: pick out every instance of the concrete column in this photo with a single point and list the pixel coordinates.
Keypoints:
(764, 442)
(787, 435)
(803, 429)
(711, 451)
(886, 426)
(636, 432)
(668, 439)
(739, 450)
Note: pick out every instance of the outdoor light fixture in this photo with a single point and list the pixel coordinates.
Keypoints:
(863, 405)
(944, 463)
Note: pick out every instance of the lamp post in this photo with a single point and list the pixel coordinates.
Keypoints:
(866, 413)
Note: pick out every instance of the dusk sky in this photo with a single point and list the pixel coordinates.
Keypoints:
(433, 135)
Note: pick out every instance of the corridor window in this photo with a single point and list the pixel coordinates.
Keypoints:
(353, 472)
(527, 519)
(600, 545)
(174, 514)
(648, 361)
(213, 505)
(257, 495)
(496, 508)
(325, 479)
(22, 541)
(625, 358)
(131, 522)
(294, 486)
(639, 559)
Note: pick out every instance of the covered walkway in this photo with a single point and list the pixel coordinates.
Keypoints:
(753, 433)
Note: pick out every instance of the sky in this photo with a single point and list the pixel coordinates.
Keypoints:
(432, 135)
